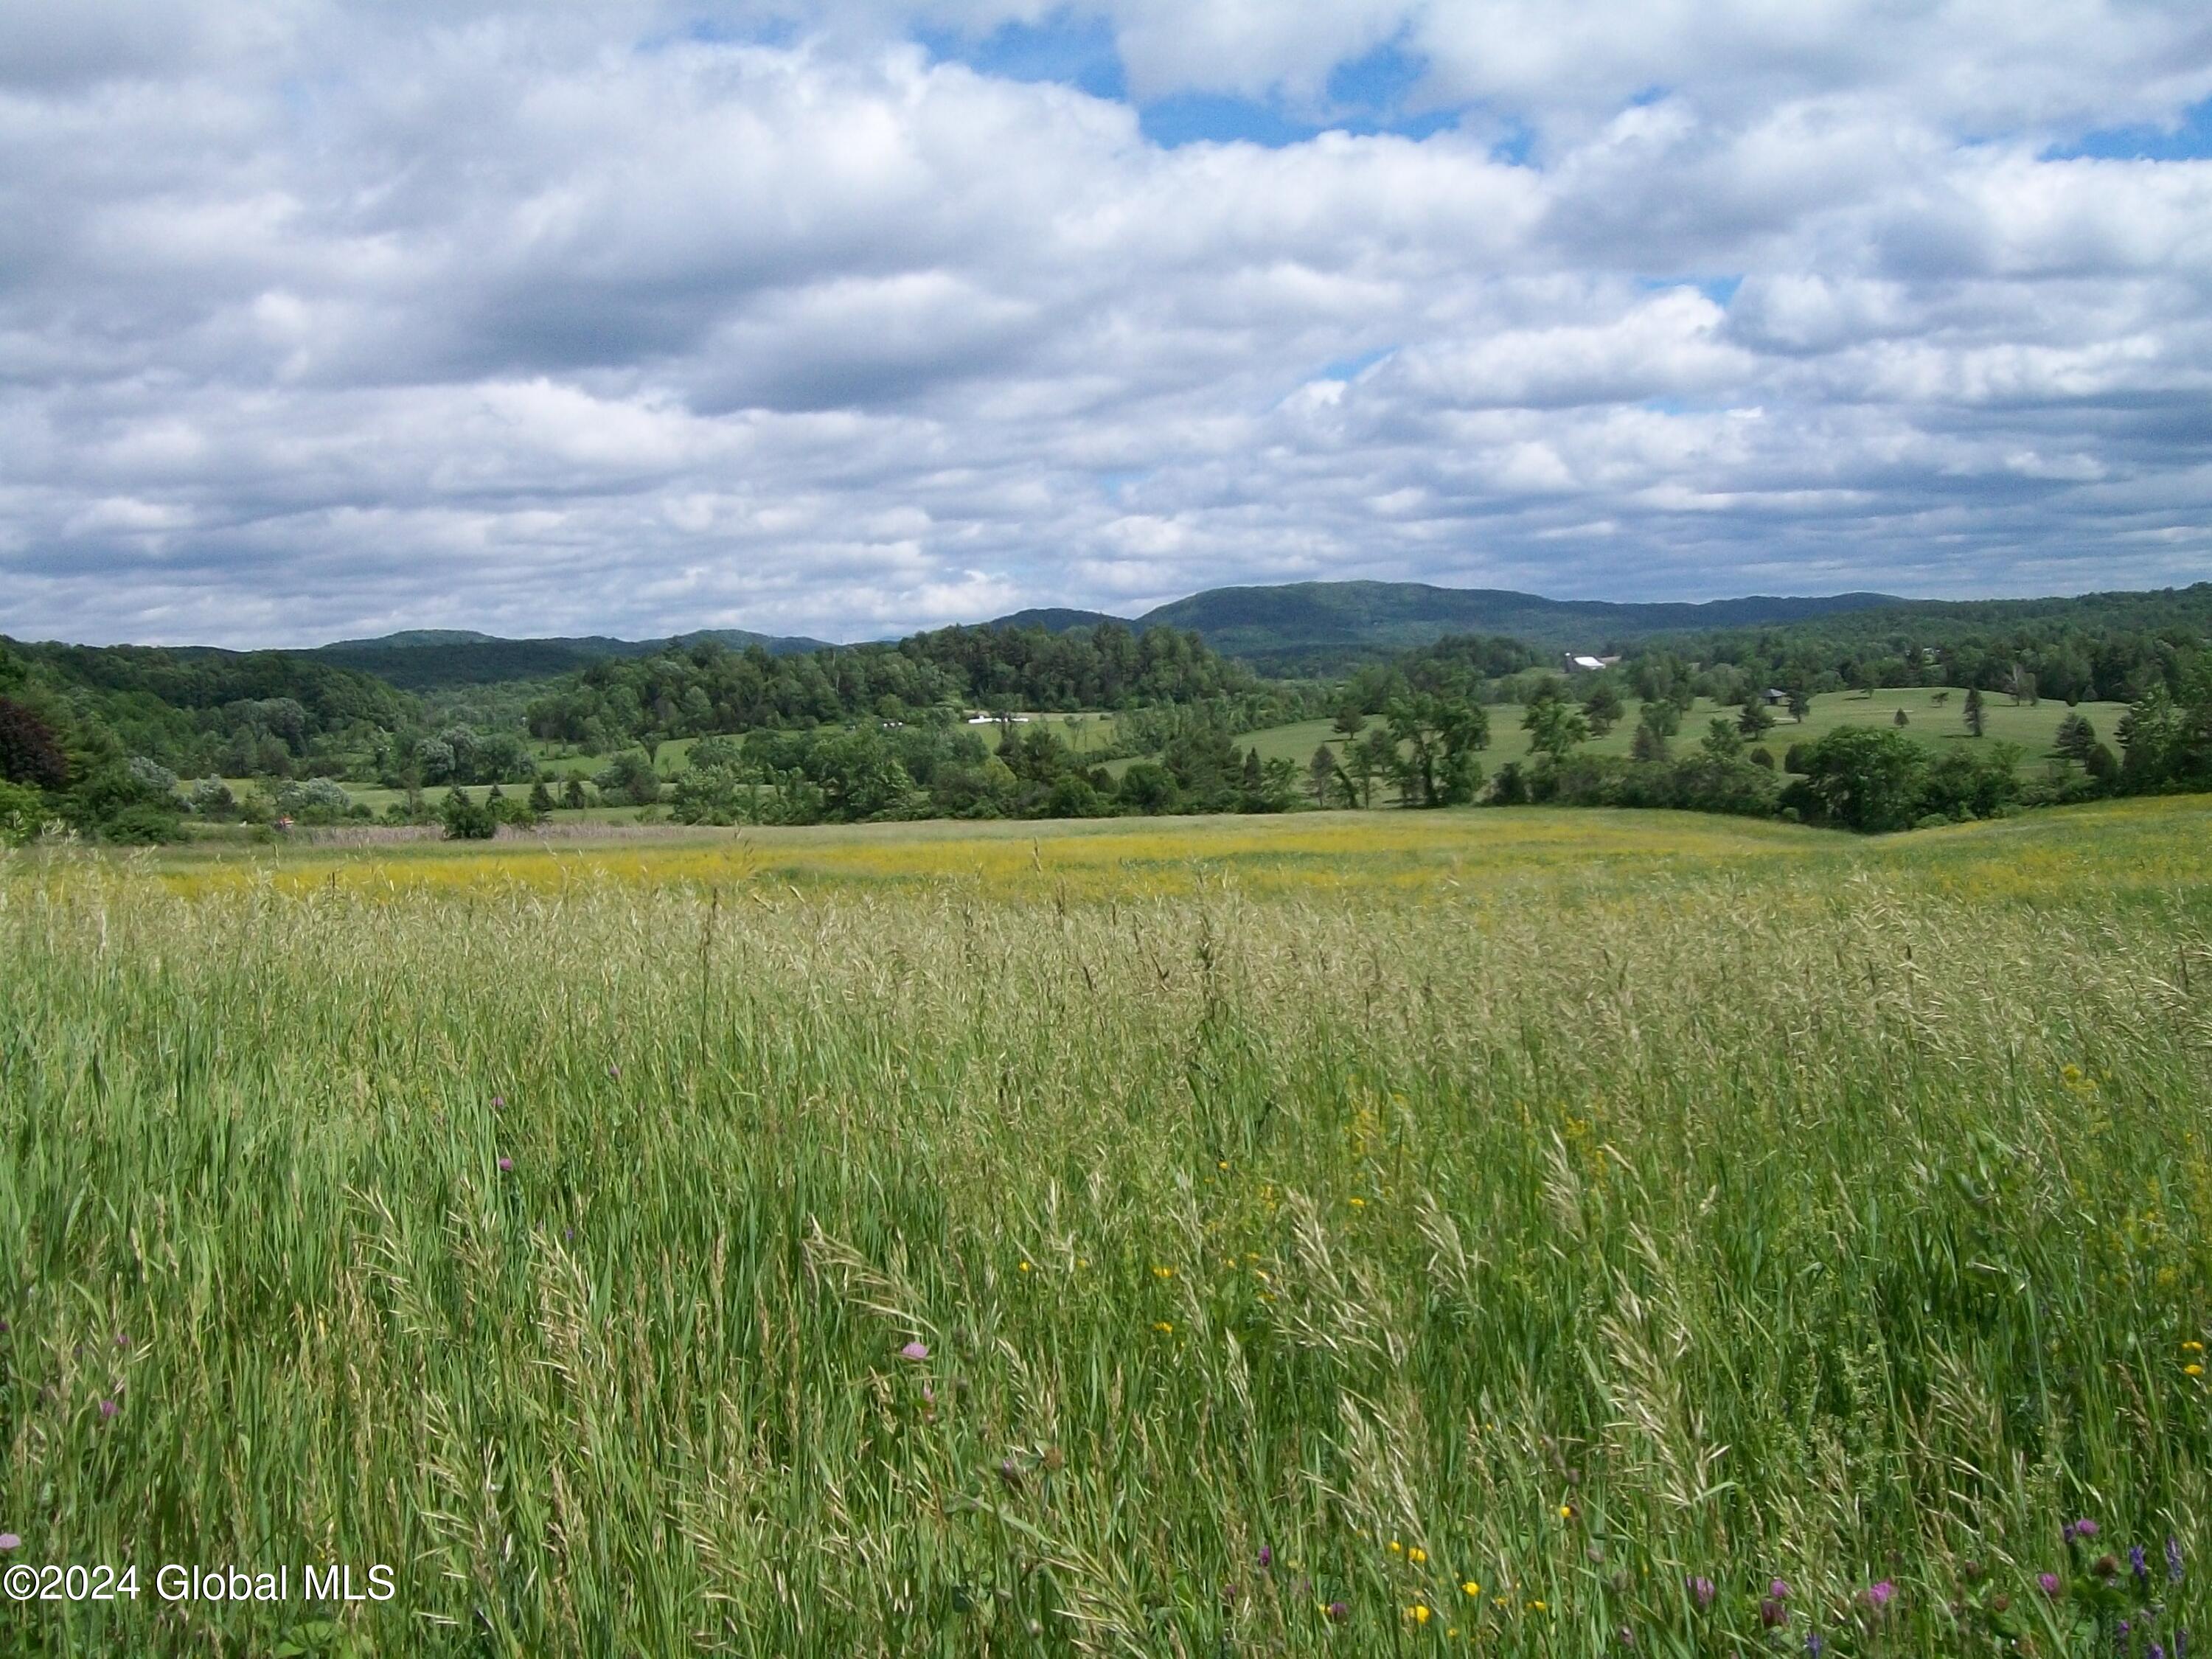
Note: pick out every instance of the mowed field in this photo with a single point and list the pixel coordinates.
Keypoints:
(2033, 726)
(1525, 1232)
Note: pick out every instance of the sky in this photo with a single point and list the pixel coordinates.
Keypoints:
(320, 320)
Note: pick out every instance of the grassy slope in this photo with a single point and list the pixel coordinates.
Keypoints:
(1557, 1195)
(2035, 728)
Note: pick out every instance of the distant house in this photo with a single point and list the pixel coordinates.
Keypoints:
(1776, 696)
(1580, 664)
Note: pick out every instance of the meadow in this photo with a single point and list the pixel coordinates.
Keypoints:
(2033, 726)
(1527, 1232)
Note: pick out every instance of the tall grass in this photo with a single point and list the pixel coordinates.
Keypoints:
(1840, 1219)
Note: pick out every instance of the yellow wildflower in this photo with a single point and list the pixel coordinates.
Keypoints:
(2192, 1370)
(1472, 1587)
(1417, 1555)
(1164, 1273)
(1419, 1612)
(1025, 1266)
(1397, 1548)
(1358, 1203)
(1165, 1327)
(2192, 1347)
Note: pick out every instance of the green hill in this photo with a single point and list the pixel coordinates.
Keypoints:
(431, 658)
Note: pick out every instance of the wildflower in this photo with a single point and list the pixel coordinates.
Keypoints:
(498, 1102)
(614, 1071)
(1025, 1266)
(2049, 1582)
(108, 1408)
(1164, 1273)
(2157, 1650)
(2084, 1528)
(1165, 1327)
(2172, 1560)
(1567, 1512)
(1417, 1555)
(121, 1341)
(1357, 1203)
(2192, 1369)
(1266, 1557)
(2192, 1347)
(1010, 1472)
(1779, 1590)
(1419, 1612)
(10, 1542)
(2106, 1565)
(1701, 1590)
(1397, 1548)
(1337, 1612)
(1814, 1644)
(1472, 1587)
(1537, 1607)
(505, 1164)
(1879, 1596)
(2139, 1563)
(1773, 1615)
(1627, 1637)
(915, 1350)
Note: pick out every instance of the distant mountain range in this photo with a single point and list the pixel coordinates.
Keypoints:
(1297, 628)
(1311, 627)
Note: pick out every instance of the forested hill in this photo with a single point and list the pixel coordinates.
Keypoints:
(430, 660)
(1323, 627)
(201, 709)
(708, 687)
(1311, 625)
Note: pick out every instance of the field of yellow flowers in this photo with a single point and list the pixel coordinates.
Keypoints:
(1517, 1232)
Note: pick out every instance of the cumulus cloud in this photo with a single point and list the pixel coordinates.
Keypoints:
(320, 317)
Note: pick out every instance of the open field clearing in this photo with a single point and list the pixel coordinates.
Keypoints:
(1485, 1230)
(2034, 726)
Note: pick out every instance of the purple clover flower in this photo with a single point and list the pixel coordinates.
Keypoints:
(9, 1543)
(1779, 1589)
(108, 1409)
(1701, 1590)
(914, 1351)
(2048, 1584)
(505, 1165)
(2084, 1528)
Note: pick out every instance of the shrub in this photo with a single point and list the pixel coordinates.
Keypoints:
(30, 753)
(467, 820)
(314, 800)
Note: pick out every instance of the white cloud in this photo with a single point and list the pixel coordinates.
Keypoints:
(320, 317)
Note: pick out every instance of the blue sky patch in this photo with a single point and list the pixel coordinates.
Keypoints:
(2189, 140)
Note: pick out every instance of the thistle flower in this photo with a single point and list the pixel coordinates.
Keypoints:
(2084, 1528)
(1879, 1596)
(914, 1351)
(2048, 1584)
(1779, 1589)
